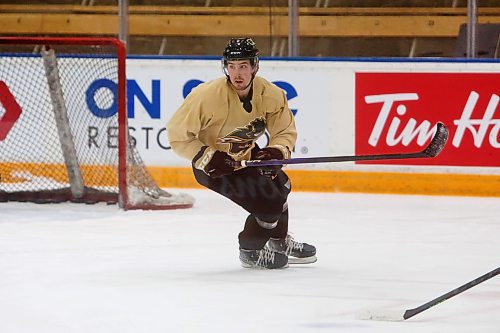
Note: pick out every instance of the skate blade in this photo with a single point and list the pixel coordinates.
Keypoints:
(299, 261)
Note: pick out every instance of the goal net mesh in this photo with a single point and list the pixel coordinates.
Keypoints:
(61, 123)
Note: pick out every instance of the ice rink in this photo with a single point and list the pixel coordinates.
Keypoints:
(69, 268)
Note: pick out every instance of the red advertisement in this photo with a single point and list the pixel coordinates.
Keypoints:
(11, 113)
(398, 113)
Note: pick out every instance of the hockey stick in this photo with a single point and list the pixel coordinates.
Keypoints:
(433, 149)
(405, 314)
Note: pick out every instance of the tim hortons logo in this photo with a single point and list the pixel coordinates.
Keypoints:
(483, 125)
(478, 128)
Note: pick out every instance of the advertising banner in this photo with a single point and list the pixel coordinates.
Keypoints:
(397, 112)
(157, 87)
(340, 107)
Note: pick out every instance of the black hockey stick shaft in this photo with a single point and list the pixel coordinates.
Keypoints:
(435, 146)
(412, 312)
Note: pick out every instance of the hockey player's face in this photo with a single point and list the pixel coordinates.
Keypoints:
(240, 73)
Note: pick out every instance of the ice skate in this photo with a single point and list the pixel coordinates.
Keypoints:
(263, 259)
(298, 253)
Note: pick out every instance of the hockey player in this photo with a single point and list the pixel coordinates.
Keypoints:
(219, 123)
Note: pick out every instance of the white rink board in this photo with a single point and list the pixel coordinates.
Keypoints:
(325, 102)
(323, 98)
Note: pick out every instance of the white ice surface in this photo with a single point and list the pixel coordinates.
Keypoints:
(96, 269)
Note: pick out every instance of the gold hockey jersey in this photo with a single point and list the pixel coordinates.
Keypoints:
(213, 115)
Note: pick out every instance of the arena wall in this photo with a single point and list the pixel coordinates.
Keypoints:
(347, 107)
(341, 107)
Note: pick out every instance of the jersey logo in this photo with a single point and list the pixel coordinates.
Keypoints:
(241, 140)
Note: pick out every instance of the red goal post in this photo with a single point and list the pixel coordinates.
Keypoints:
(46, 151)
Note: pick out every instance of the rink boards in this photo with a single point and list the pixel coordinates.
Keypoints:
(341, 107)
(351, 107)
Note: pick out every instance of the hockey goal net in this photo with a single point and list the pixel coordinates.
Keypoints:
(49, 88)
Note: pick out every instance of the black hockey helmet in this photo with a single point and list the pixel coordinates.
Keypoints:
(241, 49)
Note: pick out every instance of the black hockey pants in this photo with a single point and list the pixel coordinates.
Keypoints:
(263, 198)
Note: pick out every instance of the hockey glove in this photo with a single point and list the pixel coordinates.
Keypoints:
(213, 162)
(269, 153)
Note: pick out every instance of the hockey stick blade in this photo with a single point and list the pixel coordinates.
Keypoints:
(381, 315)
(438, 141)
(432, 150)
(406, 314)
